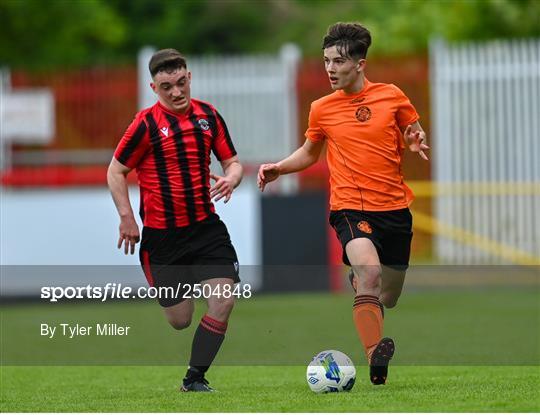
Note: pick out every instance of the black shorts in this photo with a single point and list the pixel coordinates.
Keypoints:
(390, 232)
(186, 256)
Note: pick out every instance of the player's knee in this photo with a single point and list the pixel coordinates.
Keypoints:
(222, 306)
(227, 304)
(179, 323)
(370, 277)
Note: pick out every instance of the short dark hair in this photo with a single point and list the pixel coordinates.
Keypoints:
(352, 40)
(166, 60)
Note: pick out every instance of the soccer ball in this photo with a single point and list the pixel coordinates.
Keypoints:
(331, 371)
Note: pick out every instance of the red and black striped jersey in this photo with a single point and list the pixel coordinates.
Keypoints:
(171, 154)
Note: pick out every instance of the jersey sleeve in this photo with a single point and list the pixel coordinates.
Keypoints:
(222, 145)
(314, 131)
(406, 113)
(133, 144)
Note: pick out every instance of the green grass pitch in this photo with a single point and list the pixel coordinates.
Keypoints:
(267, 389)
(457, 351)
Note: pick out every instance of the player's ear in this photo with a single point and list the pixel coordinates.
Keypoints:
(361, 65)
(153, 86)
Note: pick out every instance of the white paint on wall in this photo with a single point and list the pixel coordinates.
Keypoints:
(80, 226)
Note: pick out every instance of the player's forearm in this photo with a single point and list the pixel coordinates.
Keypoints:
(234, 172)
(119, 190)
(297, 161)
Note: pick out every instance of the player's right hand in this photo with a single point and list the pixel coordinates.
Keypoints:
(267, 173)
(416, 141)
(129, 234)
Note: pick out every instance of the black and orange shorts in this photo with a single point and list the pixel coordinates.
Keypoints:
(390, 232)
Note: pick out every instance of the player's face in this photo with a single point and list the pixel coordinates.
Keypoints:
(173, 89)
(343, 72)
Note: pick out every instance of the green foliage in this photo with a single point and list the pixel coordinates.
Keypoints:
(405, 26)
(36, 34)
(62, 33)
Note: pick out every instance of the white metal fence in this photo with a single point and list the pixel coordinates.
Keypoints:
(16, 108)
(486, 111)
(256, 95)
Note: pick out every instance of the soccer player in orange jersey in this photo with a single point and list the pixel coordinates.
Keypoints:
(366, 126)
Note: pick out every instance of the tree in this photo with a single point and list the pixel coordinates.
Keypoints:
(63, 33)
(58, 34)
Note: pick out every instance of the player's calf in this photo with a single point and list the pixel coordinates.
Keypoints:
(179, 323)
(353, 279)
(220, 308)
(389, 301)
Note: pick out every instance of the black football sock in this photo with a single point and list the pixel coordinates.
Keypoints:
(206, 343)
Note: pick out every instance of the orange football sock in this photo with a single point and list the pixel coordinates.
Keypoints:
(368, 320)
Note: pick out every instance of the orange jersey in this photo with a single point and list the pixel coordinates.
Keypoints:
(365, 146)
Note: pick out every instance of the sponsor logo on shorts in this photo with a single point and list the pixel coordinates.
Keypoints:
(364, 227)
(363, 113)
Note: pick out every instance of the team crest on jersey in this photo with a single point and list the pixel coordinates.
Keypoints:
(203, 124)
(365, 227)
(363, 113)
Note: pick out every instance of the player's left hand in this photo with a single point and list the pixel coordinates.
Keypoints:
(416, 141)
(223, 188)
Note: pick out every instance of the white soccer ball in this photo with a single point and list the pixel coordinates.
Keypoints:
(331, 371)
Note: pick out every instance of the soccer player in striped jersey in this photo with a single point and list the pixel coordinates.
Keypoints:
(183, 239)
(365, 125)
